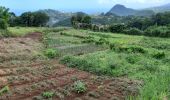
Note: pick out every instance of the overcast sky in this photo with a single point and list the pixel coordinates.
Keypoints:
(88, 6)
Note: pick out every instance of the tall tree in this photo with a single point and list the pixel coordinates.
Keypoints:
(27, 19)
(4, 17)
(40, 19)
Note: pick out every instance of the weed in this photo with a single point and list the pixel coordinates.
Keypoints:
(4, 90)
(51, 53)
(48, 94)
(79, 87)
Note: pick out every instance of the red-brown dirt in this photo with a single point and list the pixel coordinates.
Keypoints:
(28, 78)
(35, 36)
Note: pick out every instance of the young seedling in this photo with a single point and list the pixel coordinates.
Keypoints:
(48, 94)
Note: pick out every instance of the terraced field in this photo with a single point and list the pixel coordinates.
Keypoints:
(25, 74)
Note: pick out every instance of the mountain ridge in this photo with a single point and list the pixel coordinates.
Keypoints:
(121, 10)
(162, 8)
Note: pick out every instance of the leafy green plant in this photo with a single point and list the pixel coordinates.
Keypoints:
(79, 87)
(48, 94)
(51, 53)
(4, 90)
(158, 55)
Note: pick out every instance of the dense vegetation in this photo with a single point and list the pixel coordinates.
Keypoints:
(135, 57)
(156, 25)
(29, 19)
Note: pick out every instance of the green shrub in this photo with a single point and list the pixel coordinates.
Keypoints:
(117, 28)
(3, 24)
(132, 59)
(51, 53)
(73, 62)
(158, 55)
(129, 49)
(136, 49)
(79, 87)
(4, 90)
(89, 40)
(133, 31)
(101, 41)
(48, 94)
(114, 46)
(158, 31)
(5, 33)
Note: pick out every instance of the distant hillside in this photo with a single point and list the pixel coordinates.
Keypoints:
(56, 16)
(67, 21)
(121, 10)
(162, 8)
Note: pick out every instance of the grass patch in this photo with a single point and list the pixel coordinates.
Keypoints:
(136, 57)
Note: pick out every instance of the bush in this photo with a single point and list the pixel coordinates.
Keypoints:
(158, 55)
(133, 31)
(73, 62)
(89, 40)
(101, 41)
(79, 87)
(129, 49)
(51, 53)
(3, 24)
(158, 31)
(117, 28)
(5, 33)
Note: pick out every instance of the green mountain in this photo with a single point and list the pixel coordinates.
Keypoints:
(121, 10)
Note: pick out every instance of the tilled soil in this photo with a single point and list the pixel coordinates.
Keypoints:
(28, 78)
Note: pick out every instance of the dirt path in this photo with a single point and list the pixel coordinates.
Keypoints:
(28, 75)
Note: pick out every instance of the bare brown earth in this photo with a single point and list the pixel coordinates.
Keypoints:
(28, 75)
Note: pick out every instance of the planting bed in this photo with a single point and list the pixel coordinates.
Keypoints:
(28, 75)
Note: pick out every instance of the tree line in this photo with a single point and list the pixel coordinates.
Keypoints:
(29, 19)
(26, 19)
(155, 25)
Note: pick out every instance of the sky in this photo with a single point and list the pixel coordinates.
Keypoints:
(88, 6)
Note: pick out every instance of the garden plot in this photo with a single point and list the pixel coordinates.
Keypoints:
(25, 75)
(80, 49)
